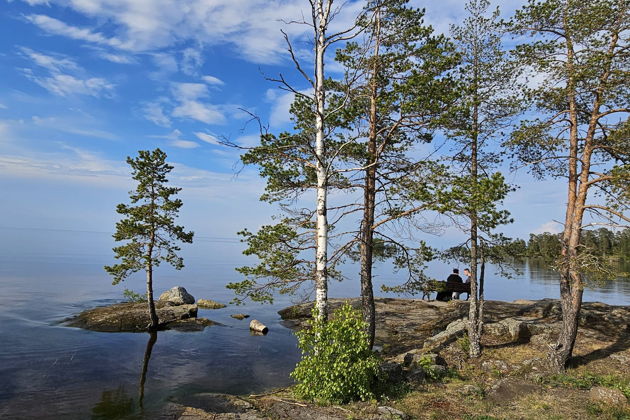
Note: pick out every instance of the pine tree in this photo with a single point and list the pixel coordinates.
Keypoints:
(400, 90)
(579, 51)
(148, 224)
(485, 108)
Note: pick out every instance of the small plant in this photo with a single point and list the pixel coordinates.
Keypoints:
(433, 372)
(464, 344)
(131, 296)
(337, 365)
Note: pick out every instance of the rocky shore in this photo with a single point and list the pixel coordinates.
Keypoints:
(510, 380)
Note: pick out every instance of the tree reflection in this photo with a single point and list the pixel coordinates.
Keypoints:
(117, 403)
(145, 365)
(114, 404)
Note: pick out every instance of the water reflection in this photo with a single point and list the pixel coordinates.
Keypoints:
(145, 364)
(114, 404)
(117, 403)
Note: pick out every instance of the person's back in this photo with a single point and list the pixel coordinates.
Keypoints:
(454, 277)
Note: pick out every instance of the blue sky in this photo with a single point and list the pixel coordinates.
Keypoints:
(86, 83)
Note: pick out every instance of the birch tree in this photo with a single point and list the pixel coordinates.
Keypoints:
(293, 163)
(149, 224)
(580, 53)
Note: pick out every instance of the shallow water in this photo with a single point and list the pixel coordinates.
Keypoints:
(48, 370)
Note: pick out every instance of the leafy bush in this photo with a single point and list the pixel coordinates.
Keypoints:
(337, 365)
(131, 296)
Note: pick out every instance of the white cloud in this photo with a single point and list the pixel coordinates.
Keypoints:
(252, 27)
(118, 58)
(65, 85)
(195, 110)
(189, 105)
(208, 138)
(58, 27)
(192, 61)
(3, 106)
(175, 139)
(185, 144)
(69, 126)
(550, 227)
(59, 81)
(211, 80)
(154, 112)
(53, 63)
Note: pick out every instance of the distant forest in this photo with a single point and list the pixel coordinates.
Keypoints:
(600, 242)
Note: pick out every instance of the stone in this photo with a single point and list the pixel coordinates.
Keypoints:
(191, 324)
(509, 330)
(177, 296)
(209, 304)
(130, 317)
(239, 316)
(453, 331)
(392, 372)
(509, 389)
(392, 413)
(468, 390)
(607, 396)
(416, 376)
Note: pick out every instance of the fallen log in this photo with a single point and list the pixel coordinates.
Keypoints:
(258, 326)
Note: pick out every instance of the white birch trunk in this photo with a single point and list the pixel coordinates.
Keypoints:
(321, 16)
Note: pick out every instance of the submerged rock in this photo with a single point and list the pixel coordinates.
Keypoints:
(177, 296)
(191, 324)
(239, 316)
(209, 304)
(130, 317)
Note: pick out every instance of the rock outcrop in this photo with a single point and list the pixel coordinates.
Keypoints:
(130, 317)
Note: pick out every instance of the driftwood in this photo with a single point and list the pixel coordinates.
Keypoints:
(258, 326)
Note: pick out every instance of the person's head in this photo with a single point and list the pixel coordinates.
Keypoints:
(467, 271)
(455, 270)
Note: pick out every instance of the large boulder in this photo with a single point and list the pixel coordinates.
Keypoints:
(177, 296)
(130, 317)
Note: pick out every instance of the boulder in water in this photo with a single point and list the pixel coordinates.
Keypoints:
(209, 304)
(177, 296)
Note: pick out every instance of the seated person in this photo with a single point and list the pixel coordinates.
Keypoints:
(455, 278)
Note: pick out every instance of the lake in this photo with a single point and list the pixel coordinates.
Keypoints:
(48, 370)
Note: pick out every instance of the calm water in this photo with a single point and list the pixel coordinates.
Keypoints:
(51, 371)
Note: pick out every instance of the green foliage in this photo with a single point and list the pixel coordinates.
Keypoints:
(131, 296)
(337, 364)
(433, 374)
(149, 222)
(464, 344)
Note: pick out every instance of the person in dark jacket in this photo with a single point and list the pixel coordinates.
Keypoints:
(455, 278)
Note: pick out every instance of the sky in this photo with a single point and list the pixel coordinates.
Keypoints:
(86, 83)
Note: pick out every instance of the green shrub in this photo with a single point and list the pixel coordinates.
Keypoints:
(131, 296)
(464, 344)
(337, 365)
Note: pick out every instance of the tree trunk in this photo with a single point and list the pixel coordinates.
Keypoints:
(571, 303)
(321, 275)
(570, 281)
(369, 200)
(152, 312)
(475, 323)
